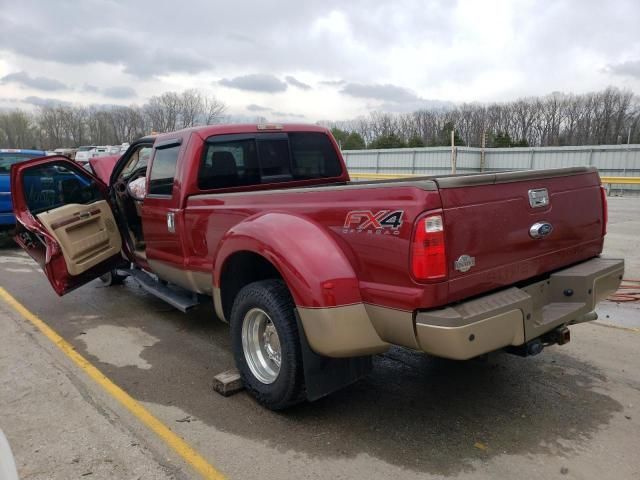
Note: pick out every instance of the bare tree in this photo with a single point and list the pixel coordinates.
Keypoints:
(213, 110)
(608, 116)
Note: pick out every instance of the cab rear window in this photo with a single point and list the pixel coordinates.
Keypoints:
(239, 160)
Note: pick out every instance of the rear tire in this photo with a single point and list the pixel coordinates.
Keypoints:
(112, 278)
(266, 345)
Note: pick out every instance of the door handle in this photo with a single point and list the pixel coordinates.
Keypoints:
(171, 222)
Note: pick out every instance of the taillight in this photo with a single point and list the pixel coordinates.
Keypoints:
(428, 253)
(605, 209)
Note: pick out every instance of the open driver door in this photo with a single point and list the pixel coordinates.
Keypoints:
(64, 221)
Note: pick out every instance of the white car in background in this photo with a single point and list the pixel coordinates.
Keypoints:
(84, 154)
(99, 151)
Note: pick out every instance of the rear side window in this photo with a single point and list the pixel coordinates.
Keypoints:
(313, 156)
(229, 164)
(267, 158)
(163, 170)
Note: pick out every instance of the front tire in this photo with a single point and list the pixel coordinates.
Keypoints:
(266, 345)
(112, 278)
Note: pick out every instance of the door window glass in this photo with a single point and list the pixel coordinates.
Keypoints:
(139, 159)
(53, 185)
(163, 170)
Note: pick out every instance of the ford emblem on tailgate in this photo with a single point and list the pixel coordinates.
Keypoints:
(540, 229)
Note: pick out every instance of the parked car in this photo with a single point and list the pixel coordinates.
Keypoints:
(67, 152)
(314, 273)
(83, 154)
(7, 158)
(101, 151)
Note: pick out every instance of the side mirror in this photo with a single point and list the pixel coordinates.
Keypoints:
(137, 189)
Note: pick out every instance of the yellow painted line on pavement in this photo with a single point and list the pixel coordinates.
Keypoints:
(182, 448)
(618, 327)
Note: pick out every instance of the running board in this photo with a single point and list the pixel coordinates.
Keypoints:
(182, 300)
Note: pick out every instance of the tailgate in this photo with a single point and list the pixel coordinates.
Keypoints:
(491, 221)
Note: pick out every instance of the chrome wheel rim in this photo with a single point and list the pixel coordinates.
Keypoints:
(261, 345)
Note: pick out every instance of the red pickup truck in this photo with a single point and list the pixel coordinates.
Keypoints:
(316, 273)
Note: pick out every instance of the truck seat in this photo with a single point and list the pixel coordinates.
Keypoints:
(223, 171)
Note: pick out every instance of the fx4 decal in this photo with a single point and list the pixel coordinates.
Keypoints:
(383, 222)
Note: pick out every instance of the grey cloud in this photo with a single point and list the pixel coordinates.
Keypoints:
(373, 41)
(44, 102)
(394, 98)
(119, 92)
(387, 92)
(333, 83)
(107, 45)
(169, 44)
(239, 37)
(39, 83)
(297, 83)
(88, 88)
(629, 68)
(167, 61)
(257, 108)
(256, 83)
(288, 115)
(420, 104)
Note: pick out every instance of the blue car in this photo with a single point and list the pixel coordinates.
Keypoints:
(7, 158)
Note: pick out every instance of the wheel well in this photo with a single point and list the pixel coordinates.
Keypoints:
(241, 269)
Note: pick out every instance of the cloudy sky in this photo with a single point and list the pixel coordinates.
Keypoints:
(315, 60)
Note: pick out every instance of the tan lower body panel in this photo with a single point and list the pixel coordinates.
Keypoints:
(468, 329)
(87, 234)
(199, 282)
(217, 304)
(393, 326)
(344, 331)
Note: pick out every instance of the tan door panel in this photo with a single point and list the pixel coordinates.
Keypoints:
(87, 234)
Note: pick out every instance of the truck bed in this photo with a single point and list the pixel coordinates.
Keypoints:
(487, 216)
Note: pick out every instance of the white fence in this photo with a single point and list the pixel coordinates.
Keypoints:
(611, 160)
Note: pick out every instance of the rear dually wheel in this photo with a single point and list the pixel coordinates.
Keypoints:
(266, 345)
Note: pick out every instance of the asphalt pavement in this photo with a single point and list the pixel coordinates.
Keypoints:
(571, 412)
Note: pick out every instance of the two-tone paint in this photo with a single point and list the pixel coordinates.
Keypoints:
(352, 284)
